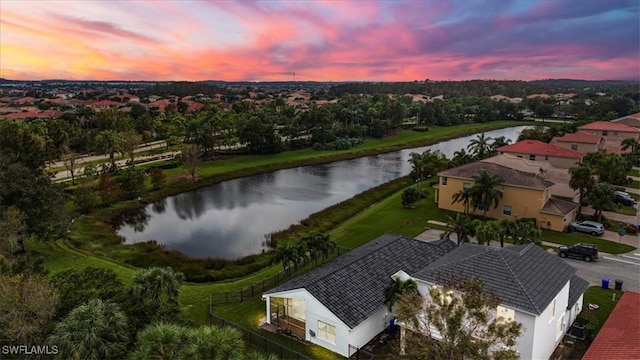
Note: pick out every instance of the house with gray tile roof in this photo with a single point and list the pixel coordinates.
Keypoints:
(340, 305)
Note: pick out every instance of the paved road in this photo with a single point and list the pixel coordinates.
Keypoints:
(87, 158)
(625, 267)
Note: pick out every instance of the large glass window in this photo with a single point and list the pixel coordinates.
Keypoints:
(326, 332)
(466, 185)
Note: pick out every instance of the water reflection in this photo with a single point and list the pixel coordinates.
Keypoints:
(230, 219)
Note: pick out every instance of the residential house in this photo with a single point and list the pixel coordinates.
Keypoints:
(340, 305)
(524, 195)
(580, 141)
(614, 132)
(619, 335)
(632, 120)
(104, 104)
(542, 169)
(535, 288)
(558, 156)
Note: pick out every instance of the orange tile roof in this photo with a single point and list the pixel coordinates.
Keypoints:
(580, 137)
(608, 126)
(535, 147)
(618, 338)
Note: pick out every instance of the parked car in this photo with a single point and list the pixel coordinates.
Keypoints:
(622, 193)
(627, 201)
(586, 252)
(589, 227)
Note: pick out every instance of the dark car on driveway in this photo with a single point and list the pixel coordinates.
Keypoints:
(586, 252)
(625, 200)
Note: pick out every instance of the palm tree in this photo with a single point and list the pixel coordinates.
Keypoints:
(396, 288)
(630, 143)
(507, 229)
(205, 343)
(499, 142)
(160, 341)
(319, 245)
(526, 232)
(486, 231)
(581, 180)
(484, 192)
(155, 284)
(465, 196)
(110, 142)
(461, 157)
(417, 163)
(97, 330)
(480, 147)
(609, 167)
(461, 225)
(600, 197)
(286, 253)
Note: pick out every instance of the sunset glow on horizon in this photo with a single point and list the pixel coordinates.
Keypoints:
(319, 40)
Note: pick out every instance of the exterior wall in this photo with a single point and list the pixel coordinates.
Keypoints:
(574, 310)
(316, 311)
(550, 326)
(525, 343)
(581, 147)
(557, 162)
(368, 329)
(524, 202)
(555, 222)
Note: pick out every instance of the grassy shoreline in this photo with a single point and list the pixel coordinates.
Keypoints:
(94, 232)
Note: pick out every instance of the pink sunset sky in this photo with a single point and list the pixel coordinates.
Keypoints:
(319, 40)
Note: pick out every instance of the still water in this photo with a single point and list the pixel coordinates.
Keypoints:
(230, 219)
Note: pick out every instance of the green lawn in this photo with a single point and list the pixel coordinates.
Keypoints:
(635, 184)
(574, 238)
(603, 298)
(634, 172)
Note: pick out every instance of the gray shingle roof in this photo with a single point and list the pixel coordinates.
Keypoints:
(576, 288)
(509, 175)
(352, 285)
(524, 277)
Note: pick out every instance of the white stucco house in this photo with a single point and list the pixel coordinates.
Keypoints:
(340, 305)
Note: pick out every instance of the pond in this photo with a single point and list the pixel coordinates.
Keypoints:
(231, 219)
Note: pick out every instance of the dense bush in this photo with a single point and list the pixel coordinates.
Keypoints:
(420, 128)
(338, 144)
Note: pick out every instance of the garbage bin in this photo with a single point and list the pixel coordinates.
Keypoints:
(618, 284)
(605, 283)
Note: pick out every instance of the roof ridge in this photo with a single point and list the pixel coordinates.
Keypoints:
(453, 262)
(517, 280)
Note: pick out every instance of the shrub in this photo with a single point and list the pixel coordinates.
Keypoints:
(420, 128)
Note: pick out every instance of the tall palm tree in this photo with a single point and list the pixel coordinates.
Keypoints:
(600, 197)
(465, 196)
(319, 245)
(499, 142)
(507, 229)
(581, 180)
(461, 225)
(526, 232)
(461, 157)
(486, 231)
(160, 341)
(485, 192)
(97, 330)
(286, 253)
(205, 343)
(480, 147)
(157, 284)
(110, 142)
(629, 143)
(417, 164)
(396, 288)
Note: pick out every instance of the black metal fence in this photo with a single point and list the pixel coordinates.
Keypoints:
(356, 353)
(260, 342)
(258, 288)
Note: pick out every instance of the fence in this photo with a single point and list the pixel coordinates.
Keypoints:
(258, 288)
(260, 342)
(356, 353)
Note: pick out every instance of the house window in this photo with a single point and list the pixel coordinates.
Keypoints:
(444, 180)
(483, 207)
(615, 133)
(605, 133)
(552, 308)
(560, 327)
(466, 186)
(532, 157)
(506, 210)
(546, 157)
(501, 188)
(326, 332)
(574, 146)
(520, 156)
